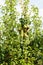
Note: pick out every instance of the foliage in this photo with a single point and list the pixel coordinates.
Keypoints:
(20, 43)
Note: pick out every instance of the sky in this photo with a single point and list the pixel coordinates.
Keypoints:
(38, 3)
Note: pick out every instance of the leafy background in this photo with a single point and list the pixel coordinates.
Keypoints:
(21, 36)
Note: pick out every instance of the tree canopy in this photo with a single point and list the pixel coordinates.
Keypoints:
(21, 38)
